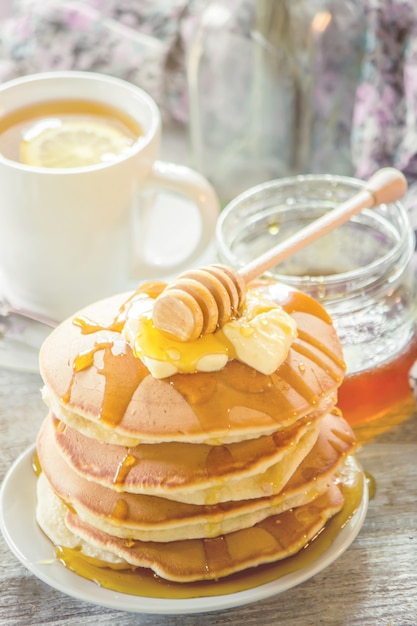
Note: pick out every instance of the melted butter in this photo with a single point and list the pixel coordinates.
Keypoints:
(142, 582)
(156, 344)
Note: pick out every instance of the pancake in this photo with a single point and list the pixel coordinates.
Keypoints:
(149, 518)
(95, 383)
(194, 473)
(275, 538)
(193, 476)
(50, 515)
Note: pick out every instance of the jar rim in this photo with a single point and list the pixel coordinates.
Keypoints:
(404, 246)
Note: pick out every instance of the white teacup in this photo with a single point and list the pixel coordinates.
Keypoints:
(72, 235)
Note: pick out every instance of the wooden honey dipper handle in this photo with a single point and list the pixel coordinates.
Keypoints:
(385, 186)
(202, 300)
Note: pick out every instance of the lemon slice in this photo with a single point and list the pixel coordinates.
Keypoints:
(73, 143)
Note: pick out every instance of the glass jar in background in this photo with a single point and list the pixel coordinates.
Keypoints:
(272, 89)
(362, 272)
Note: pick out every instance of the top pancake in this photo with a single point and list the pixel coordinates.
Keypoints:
(94, 382)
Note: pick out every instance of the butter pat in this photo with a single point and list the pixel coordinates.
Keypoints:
(263, 335)
(261, 338)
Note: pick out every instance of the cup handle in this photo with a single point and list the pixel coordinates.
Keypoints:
(180, 179)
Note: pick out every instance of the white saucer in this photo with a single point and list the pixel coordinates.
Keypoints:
(20, 341)
(35, 551)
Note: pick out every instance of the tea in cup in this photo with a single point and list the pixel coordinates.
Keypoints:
(80, 179)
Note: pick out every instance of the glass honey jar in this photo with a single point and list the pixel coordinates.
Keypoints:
(363, 273)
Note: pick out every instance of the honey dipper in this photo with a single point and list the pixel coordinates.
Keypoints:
(204, 299)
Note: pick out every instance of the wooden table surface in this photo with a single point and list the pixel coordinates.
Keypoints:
(374, 583)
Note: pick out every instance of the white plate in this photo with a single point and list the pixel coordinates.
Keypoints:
(34, 550)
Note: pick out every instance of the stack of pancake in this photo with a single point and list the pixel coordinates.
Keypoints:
(195, 476)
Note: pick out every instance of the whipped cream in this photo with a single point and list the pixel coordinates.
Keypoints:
(261, 338)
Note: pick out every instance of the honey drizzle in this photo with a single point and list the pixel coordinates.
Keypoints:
(143, 582)
(216, 554)
(212, 394)
(305, 351)
(121, 510)
(213, 409)
(124, 468)
(122, 372)
(296, 381)
(152, 289)
(89, 327)
(309, 339)
(219, 461)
